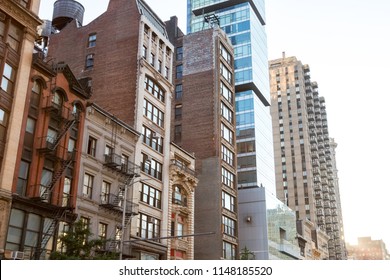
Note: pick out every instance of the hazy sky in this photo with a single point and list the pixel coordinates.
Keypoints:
(347, 45)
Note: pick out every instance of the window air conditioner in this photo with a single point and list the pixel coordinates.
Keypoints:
(17, 255)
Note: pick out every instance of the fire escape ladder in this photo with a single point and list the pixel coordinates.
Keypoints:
(49, 231)
(57, 175)
(64, 130)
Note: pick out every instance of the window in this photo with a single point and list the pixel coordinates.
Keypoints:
(166, 72)
(105, 193)
(21, 185)
(227, 155)
(91, 148)
(151, 167)
(152, 58)
(159, 66)
(85, 222)
(15, 35)
(102, 231)
(226, 133)
(179, 53)
(227, 178)
(144, 51)
(150, 196)
(229, 251)
(178, 111)
(226, 93)
(225, 54)
(108, 150)
(153, 113)
(226, 113)
(179, 92)
(89, 61)
(152, 139)
(30, 126)
(148, 227)
(88, 185)
(66, 192)
(179, 230)
(229, 226)
(179, 71)
(8, 80)
(153, 88)
(35, 94)
(179, 196)
(58, 99)
(226, 73)
(3, 124)
(71, 145)
(228, 202)
(92, 40)
(177, 137)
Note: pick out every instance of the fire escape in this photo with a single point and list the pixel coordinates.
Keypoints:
(118, 202)
(50, 148)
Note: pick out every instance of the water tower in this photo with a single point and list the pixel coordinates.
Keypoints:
(66, 11)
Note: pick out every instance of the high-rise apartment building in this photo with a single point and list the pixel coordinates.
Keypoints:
(18, 23)
(305, 178)
(127, 53)
(204, 123)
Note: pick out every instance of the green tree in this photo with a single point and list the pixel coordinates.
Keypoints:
(78, 245)
(246, 254)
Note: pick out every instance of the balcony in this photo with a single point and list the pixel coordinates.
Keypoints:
(319, 204)
(326, 204)
(117, 163)
(316, 171)
(326, 197)
(182, 167)
(317, 187)
(325, 189)
(320, 212)
(315, 162)
(318, 194)
(321, 220)
(311, 117)
(314, 155)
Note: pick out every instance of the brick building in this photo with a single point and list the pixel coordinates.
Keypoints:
(127, 53)
(203, 119)
(47, 167)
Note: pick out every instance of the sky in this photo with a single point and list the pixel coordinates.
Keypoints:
(346, 44)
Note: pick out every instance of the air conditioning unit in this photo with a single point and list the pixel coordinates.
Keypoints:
(17, 255)
(156, 135)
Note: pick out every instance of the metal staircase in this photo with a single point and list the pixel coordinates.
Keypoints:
(45, 194)
(49, 231)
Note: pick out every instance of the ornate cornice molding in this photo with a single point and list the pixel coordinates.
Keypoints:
(25, 17)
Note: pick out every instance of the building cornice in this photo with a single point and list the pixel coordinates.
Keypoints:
(25, 17)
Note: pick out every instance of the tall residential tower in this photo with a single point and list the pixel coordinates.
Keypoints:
(304, 158)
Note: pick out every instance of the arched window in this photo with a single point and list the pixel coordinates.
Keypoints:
(58, 99)
(179, 196)
(35, 94)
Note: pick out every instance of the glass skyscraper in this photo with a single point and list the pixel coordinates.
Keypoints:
(244, 22)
